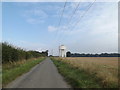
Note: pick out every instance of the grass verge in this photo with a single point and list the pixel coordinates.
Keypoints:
(75, 77)
(11, 71)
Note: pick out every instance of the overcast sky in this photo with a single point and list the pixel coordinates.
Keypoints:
(35, 26)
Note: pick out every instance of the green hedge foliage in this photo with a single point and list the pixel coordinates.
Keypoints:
(11, 53)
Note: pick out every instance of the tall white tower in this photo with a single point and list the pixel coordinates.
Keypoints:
(62, 51)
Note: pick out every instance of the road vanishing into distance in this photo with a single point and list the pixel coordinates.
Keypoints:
(43, 75)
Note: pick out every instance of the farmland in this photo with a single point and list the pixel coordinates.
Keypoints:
(103, 71)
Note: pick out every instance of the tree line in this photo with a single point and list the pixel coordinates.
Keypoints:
(69, 54)
(12, 53)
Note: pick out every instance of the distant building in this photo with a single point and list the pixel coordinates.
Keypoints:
(62, 51)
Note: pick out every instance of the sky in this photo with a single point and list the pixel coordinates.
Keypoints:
(35, 26)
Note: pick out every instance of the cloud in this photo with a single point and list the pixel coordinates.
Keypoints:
(61, 29)
(30, 45)
(100, 19)
(35, 16)
(96, 32)
(33, 46)
(51, 28)
(104, 22)
(34, 21)
(27, 45)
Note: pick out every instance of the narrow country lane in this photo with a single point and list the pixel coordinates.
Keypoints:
(44, 75)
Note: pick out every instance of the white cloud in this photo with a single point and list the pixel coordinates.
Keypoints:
(27, 45)
(96, 32)
(61, 29)
(34, 21)
(99, 20)
(35, 16)
(31, 45)
(51, 28)
(106, 22)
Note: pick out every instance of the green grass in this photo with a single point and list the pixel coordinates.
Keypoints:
(10, 74)
(75, 77)
(0, 76)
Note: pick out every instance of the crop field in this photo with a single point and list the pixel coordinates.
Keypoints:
(104, 69)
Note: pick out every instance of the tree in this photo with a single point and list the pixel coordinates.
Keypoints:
(68, 54)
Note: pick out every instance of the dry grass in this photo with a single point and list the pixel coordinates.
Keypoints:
(12, 70)
(10, 65)
(104, 68)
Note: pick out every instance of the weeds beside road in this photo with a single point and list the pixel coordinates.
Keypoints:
(12, 70)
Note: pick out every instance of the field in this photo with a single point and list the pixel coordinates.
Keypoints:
(104, 70)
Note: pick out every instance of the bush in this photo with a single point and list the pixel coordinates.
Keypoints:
(11, 53)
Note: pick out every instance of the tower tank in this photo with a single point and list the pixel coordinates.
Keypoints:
(62, 51)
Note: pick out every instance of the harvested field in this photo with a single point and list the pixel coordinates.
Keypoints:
(105, 69)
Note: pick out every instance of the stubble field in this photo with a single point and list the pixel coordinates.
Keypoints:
(104, 69)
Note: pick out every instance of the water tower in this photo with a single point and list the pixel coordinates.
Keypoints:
(62, 51)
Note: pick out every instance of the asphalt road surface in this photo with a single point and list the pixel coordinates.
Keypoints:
(43, 75)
